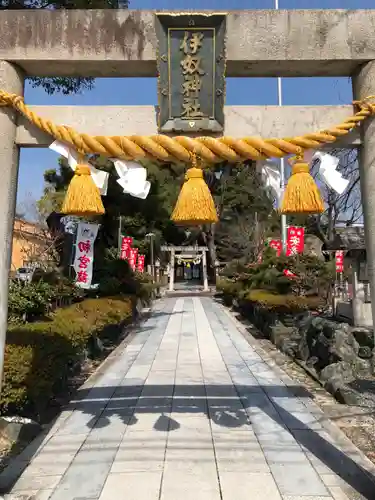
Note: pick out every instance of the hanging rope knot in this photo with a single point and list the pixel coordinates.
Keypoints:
(365, 104)
(82, 170)
(194, 173)
(10, 99)
(300, 168)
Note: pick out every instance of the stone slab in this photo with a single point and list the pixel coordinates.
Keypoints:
(304, 497)
(132, 486)
(257, 486)
(298, 479)
(123, 42)
(36, 482)
(200, 483)
(82, 480)
(30, 494)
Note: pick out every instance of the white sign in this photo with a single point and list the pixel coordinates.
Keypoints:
(84, 257)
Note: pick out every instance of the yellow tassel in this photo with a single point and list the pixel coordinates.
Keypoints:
(302, 195)
(195, 205)
(83, 197)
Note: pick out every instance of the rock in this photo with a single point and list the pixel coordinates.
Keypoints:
(347, 395)
(364, 388)
(365, 352)
(340, 355)
(317, 324)
(139, 306)
(329, 329)
(362, 367)
(334, 386)
(94, 347)
(338, 378)
(340, 372)
(289, 347)
(303, 349)
(356, 393)
(309, 333)
(364, 336)
(345, 346)
(19, 429)
(311, 362)
(303, 322)
(279, 332)
(313, 246)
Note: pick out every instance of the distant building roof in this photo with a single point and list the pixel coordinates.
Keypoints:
(348, 238)
(27, 228)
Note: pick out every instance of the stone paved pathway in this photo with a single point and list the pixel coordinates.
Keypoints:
(189, 410)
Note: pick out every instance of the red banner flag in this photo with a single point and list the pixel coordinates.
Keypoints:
(295, 241)
(339, 261)
(141, 263)
(132, 259)
(126, 244)
(276, 245)
(289, 274)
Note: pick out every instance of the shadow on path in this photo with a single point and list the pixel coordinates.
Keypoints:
(227, 406)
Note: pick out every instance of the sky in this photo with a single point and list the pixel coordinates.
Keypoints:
(138, 91)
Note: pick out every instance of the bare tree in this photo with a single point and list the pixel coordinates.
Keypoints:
(36, 242)
(344, 209)
(244, 207)
(242, 238)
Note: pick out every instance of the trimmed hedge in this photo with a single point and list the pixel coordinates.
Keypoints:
(31, 301)
(287, 303)
(267, 310)
(313, 277)
(40, 357)
(229, 289)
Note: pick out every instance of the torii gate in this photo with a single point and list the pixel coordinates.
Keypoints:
(188, 251)
(123, 43)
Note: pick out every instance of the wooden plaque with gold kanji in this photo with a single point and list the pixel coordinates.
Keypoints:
(191, 66)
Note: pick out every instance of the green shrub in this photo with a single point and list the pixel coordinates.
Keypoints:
(145, 286)
(313, 276)
(27, 300)
(287, 303)
(40, 356)
(115, 276)
(229, 288)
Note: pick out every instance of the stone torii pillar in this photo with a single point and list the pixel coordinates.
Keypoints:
(364, 86)
(11, 80)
